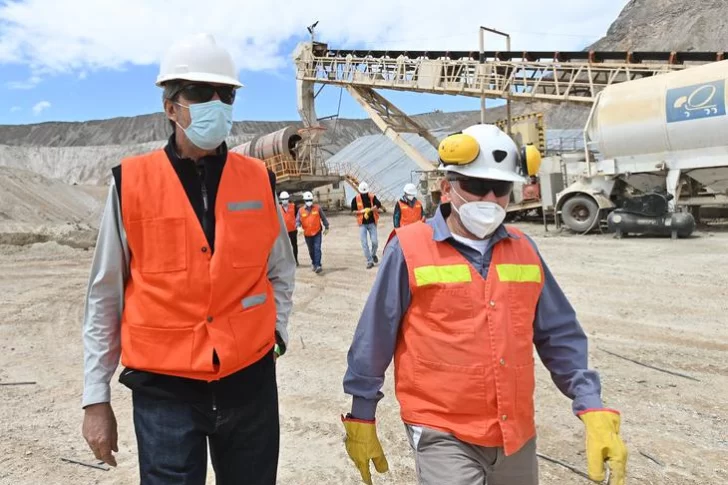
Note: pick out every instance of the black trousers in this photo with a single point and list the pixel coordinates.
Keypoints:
(293, 236)
(244, 438)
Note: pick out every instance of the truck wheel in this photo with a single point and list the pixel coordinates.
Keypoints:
(579, 213)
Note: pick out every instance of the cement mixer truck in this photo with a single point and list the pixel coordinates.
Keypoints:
(656, 153)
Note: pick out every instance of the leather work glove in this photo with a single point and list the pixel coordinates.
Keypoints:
(362, 445)
(603, 444)
(326, 231)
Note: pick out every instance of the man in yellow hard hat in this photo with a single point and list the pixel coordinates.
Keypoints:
(459, 303)
(191, 286)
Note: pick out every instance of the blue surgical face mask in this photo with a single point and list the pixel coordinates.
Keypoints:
(211, 123)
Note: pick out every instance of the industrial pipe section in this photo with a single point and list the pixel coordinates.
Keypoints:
(279, 143)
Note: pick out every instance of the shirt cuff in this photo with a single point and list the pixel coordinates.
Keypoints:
(362, 408)
(588, 401)
(95, 394)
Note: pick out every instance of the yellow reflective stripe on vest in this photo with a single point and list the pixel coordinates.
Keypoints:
(429, 275)
(519, 273)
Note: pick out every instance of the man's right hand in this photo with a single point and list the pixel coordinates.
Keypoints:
(99, 431)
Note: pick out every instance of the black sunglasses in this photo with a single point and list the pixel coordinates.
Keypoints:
(202, 93)
(481, 187)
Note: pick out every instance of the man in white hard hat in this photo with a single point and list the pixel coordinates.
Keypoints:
(459, 303)
(288, 209)
(408, 209)
(191, 286)
(366, 206)
(311, 218)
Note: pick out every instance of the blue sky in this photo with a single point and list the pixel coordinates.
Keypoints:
(68, 63)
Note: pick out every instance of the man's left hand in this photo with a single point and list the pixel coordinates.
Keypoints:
(604, 444)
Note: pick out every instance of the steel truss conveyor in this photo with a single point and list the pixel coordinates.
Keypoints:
(555, 77)
(544, 76)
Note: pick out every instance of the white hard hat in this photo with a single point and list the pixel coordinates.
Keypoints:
(410, 189)
(284, 195)
(198, 58)
(364, 188)
(307, 196)
(486, 152)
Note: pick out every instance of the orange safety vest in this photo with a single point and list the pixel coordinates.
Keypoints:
(464, 360)
(182, 303)
(360, 206)
(310, 220)
(289, 216)
(409, 215)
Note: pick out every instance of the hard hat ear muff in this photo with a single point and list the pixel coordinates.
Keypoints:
(529, 160)
(458, 149)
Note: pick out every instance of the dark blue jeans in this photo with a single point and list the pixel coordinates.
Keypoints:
(314, 249)
(172, 437)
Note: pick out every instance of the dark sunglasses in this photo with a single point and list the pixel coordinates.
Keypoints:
(481, 187)
(202, 93)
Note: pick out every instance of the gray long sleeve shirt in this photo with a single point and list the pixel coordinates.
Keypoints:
(105, 298)
(558, 336)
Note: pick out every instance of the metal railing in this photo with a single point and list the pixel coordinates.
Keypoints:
(554, 81)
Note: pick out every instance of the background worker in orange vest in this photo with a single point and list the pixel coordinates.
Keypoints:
(459, 303)
(366, 206)
(288, 209)
(191, 284)
(310, 219)
(408, 209)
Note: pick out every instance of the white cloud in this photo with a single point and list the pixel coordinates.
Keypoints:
(40, 107)
(29, 83)
(77, 36)
(15, 109)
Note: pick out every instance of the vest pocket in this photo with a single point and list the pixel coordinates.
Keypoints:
(525, 388)
(449, 309)
(523, 310)
(447, 388)
(254, 327)
(159, 348)
(160, 245)
(247, 234)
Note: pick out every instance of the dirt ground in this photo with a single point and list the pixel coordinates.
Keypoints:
(661, 302)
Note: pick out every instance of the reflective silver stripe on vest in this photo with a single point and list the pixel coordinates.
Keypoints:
(254, 300)
(243, 206)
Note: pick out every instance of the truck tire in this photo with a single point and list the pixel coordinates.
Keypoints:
(579, 213)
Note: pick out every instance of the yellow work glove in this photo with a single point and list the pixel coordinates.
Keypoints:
(603, 444)
(362, 445)
(326, 231)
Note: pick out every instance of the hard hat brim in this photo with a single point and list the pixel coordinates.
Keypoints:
(202, 77)
(485, 173)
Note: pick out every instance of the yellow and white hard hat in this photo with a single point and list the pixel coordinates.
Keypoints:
(486, 152)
